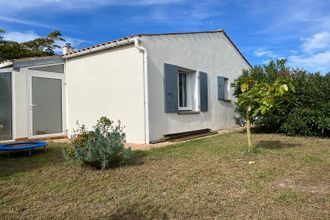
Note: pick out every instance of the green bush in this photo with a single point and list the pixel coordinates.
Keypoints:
(103, 147)
(303, 112)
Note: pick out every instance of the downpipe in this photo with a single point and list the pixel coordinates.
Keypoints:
(146, 89)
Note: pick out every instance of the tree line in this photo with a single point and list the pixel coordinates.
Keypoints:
(43, 46)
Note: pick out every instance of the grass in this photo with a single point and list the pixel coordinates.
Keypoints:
(206, 178)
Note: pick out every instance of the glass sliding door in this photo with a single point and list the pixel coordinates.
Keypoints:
(6, 107)
(46, 106)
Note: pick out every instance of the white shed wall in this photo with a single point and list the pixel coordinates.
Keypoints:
(20, 102)
(107, 83)
(208, 52)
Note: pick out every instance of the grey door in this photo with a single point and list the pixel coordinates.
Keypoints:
(46, 106)
(5, 106)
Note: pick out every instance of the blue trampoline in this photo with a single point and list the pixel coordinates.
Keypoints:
(23, 146)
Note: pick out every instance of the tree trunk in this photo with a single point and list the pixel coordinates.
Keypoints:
(248, 130)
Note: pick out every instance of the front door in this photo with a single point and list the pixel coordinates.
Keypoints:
(46, 104)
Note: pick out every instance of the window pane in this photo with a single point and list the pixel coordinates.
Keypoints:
(182, 89)
(52, 68)
(5, 107)
(47, 110)
(226, 94)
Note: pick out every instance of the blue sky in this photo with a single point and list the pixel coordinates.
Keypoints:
(298, 30)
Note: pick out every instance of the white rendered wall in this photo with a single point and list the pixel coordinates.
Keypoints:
(107, 83)
(21, 103)
(208, 52)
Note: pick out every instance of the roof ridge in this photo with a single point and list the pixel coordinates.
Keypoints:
(178, 33)
(133, 36)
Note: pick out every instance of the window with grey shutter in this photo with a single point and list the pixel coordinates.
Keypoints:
(221, 88)
(171, 88)
(203, 91)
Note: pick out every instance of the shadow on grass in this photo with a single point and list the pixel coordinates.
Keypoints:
(138, 157)
(132, 215)
(21, 162)
(125, 216)
(136, 160)
(260, 130)
(275, 144)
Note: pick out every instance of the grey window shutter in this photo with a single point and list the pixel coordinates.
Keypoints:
(171, 88)
(221, 88)
(203, 91)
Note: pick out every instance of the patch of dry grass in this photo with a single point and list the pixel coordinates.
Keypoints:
(205, 178)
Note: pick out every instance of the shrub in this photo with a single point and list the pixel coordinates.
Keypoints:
(103, 147)
(303, 112)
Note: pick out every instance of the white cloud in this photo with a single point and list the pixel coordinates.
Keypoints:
(30, 35)
(75, 42)
(78, 4)
(192, 18)
(20, 36)
(316, 42)
(315, 62)
(314, 54)
(264, 53)
(20, 21)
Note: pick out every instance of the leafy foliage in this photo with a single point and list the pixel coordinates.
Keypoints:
(102, 147)
(257, 91)
(306, 112)
(33, 48)
(303, 112)
(259, 88)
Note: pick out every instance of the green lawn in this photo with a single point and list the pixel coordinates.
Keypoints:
(210, 178)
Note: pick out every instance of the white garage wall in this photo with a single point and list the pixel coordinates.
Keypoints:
(208, 52)
(107, 83)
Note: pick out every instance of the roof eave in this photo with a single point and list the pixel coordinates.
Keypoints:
(7, 63)
(109, 45)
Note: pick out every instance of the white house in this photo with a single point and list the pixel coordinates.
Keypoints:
(155, 84)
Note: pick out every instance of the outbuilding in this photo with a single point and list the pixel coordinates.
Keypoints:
(32, 98)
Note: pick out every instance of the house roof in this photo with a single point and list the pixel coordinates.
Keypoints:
(31, 61)
(130, 40)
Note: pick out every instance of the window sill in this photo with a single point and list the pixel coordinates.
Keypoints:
(225, 100)
(187, 112)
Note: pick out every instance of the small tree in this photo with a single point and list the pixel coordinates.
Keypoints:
(257, 92)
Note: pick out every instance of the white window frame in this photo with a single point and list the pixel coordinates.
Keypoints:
(182, 108)
(191, 89)
(227, 89)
